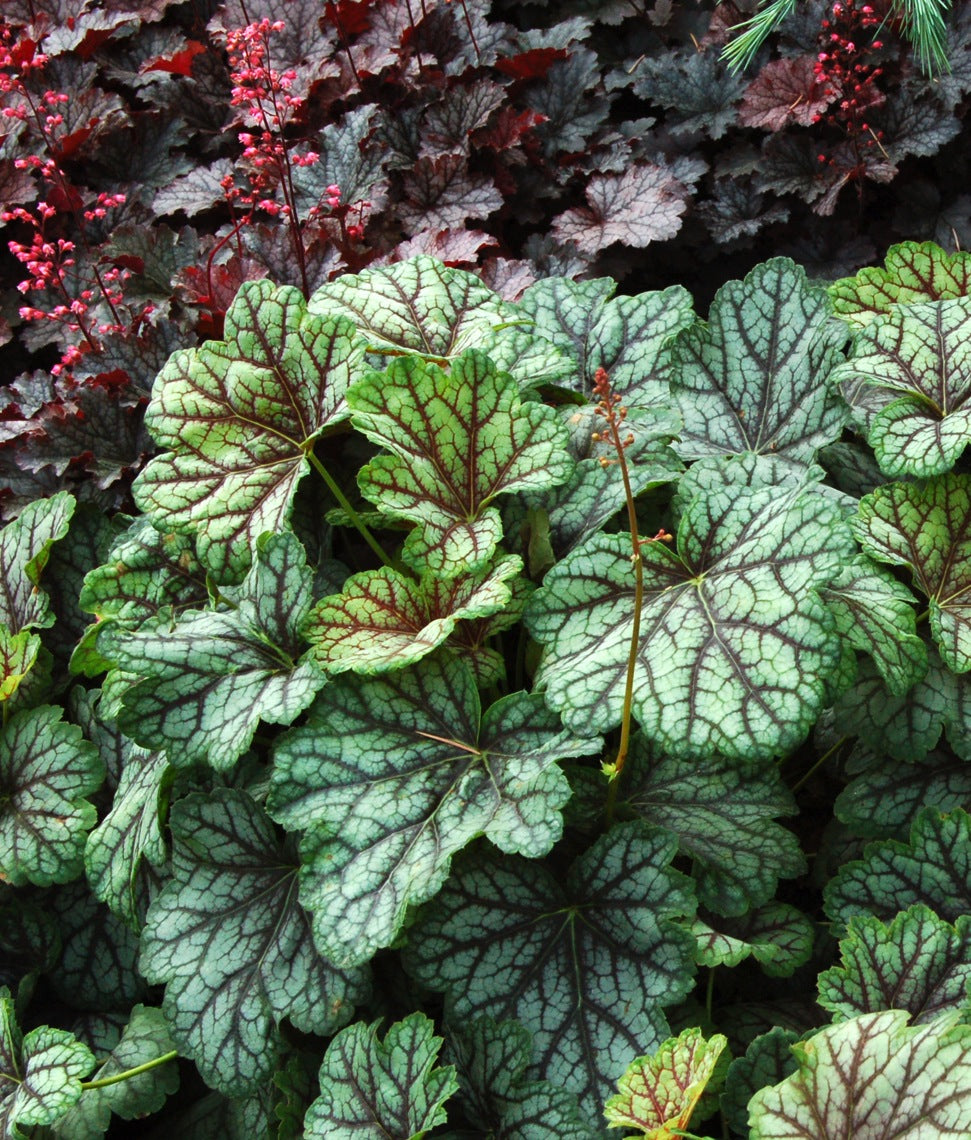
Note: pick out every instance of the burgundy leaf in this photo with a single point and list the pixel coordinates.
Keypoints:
(441, 193)
(785, 91)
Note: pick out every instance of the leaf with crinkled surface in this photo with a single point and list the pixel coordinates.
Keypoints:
(723, 816)
(659, 1093)
(767, 1060)
(875, 613)
(419, 306)
(626, 336)
(873, 1077)
(442, 192)
(384, 621)
(40, 1074)
(492, 1059)
(233, 947)
(784, 92)
(25, 548)
(912, 271)
(883, 799)
(372, 1089)
(934, 868)
(778, 936)
(927, 527)
(697, 86)
(458, 440)
(644, 204)
(393, 776)
(917, 962)
(754, 377)
(908, 726)
(586, 966)
(207, 677)
(239, 416)
(46, 771)
(735, 645)
(145, 1038)
(908, 380)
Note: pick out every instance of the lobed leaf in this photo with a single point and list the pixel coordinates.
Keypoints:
(927, 527)
(735, 645)
(874, 1077)
(753, 377)
(778, 936)
(393, 776)
(239, 417)
(659, 1093)
(917, 962)
(908, 379)
(586, 967)
(233, 947)
(25, 548)
(372, 1089)
(458, 440)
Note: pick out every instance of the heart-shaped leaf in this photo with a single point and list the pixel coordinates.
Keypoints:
(238, 417)
(927, 527)
(909, 381)
(385, 621)
(46, 770)
(659, 1093)
(875, 1077)
(779, 937)
(753, 377)
(934, 868)
(372, 1089)
(917, 962)
(586, 967)
(458, 440)
(912, 271)
(232, 945)
(393, 776)
(735, 645)
(209, 676)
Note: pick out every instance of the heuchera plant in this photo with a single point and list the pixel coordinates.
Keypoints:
(506, 719)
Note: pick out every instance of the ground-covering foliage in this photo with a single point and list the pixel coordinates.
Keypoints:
(447, 690)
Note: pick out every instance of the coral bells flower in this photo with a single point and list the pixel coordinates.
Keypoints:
(844, 66)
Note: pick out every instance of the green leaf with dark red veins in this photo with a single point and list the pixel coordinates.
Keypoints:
(146, 1038)
(233, 947)
(927, 527)
(587, 966)
(912, 271)
(207, 677)
(723, 816)
(498, 1096)
(18, 652)
(875, 1077)
(418, 306)
(735, 645)
(132, 831)
(908, 726)
(384, 621)
(908, 380)
(147, 570)
(46, 771)
(391, 777)
(875, 613)
(778, 936)
(767, 1061)
(25, 547)
(458, 440)
(754, 377)
(627, 336)
(659, 1093)
(40, 1074)
(238, 417)
(883, 799)
(934, 868)
(917, 962)
(372, 1089)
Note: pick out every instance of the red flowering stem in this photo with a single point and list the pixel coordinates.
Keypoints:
(614, 413)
